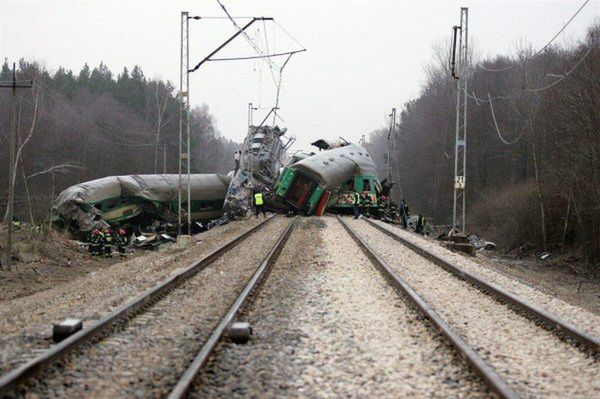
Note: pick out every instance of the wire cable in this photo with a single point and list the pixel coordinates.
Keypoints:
(566, 73)
(542, 49)
(496, 124)
(561, 77)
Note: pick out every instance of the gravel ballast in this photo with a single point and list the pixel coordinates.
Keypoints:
(327, 325)
(146, 357)
(583, 319)
(532, 360)
(26, 323)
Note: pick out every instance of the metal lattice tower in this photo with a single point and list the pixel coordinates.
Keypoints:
(460, 153)
(184, 123)
(391, 147)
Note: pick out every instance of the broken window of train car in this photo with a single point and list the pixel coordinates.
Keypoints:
(366, 185)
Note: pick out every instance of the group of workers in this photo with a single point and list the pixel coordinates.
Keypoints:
(102, 242)
(362, 204)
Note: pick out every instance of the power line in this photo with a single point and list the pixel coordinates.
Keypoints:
(567, 73)
(542, 49)
(253, 57)
(563, 76)
(248, 39)
(496, 124)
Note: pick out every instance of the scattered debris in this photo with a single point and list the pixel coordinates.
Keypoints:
(481, 244)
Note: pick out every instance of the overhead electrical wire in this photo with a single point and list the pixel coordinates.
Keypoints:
(261, 55)
(563, 76)
(498, 129)
(542, 49)
(566, 73)
(248, 39)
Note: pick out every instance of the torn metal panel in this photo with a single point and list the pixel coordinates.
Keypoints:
(261, 159)
(119, 199)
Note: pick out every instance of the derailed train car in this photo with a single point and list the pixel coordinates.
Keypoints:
(328, 179)
(261, 157)
(138, 199)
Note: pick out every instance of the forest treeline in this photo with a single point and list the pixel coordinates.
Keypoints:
(75, 127)
(534, 180)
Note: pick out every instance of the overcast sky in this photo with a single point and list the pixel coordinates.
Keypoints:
(363, 58)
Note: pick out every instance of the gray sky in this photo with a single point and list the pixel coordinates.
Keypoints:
(363, 58)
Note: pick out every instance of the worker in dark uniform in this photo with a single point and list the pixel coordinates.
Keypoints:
(122, 243)
(108, 242)
(382, 206)
(356, 204)
(259, 204)
(420, 229)
(95, 243)
(367, 202)
(404, 213)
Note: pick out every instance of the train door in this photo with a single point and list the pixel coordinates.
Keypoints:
(300, 191)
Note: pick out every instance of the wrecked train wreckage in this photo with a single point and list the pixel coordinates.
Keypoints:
(257, 169)
(137, 200)
(327, 180)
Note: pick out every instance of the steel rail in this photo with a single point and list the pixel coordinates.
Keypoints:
(479, 366)
(184, 384)
(537, 313)
(13, 378)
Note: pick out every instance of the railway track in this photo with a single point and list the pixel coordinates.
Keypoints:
(329, 326)
(137, 329)
(158, 304)
(516, 347)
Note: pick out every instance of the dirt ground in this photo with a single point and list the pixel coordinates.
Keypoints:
(560, 276)
(46, 262)
(42, 262)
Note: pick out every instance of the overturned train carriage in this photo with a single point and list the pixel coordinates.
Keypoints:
(328, 179)
(139, 198)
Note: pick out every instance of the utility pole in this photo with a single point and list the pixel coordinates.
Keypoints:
(391, 150)
(250, 109)
(184, 105)
(459, 68)
(184, 122)
(11, 168)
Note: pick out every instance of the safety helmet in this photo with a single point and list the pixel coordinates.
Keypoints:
(121, 232)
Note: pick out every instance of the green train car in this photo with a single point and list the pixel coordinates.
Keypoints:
(118, 200)
(328, 179)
